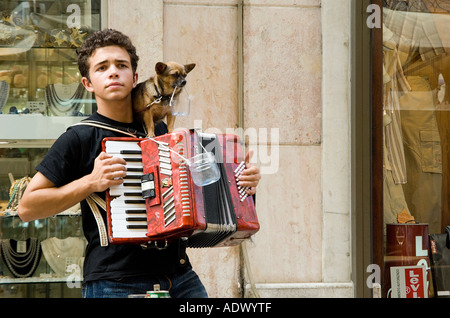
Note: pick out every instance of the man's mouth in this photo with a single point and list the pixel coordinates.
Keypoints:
(114, 85)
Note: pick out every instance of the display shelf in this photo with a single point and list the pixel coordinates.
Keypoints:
(18, 128)
(38, 280)
(8, 213)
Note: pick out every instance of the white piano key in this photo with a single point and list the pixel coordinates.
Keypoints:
(133, 157)
(122, 210)
(121, 189)
(132, 233)
(115, 147)
(123, 217)
(119, 203)
(124, 223)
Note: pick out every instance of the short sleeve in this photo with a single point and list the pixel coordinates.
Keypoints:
(60, 165)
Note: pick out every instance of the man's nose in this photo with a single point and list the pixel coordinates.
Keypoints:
(113, 72)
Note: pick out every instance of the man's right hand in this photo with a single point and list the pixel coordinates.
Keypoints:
(108, 171)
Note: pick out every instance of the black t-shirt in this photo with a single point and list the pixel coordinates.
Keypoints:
(72, 157)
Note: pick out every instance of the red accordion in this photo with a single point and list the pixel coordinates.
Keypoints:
(158, 201)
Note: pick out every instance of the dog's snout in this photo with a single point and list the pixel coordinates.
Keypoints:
(180, 82)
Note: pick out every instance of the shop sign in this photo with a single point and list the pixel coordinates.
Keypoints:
(409, 282)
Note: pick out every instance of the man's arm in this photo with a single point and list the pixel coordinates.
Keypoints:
(43, 199)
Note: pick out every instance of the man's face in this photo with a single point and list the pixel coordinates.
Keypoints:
(111, 75)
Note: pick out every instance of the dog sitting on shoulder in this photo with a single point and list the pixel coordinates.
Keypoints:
(152, 97)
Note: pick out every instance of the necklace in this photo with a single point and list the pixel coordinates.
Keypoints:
(24, 264)
(16, 192)
(4, 93)
(61, 253)
(64, 106)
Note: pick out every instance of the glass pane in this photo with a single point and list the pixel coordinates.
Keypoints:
(38, 63)
(416, 128)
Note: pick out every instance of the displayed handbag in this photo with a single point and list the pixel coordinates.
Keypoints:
(440, 262)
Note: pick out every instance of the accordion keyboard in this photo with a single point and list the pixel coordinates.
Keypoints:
(128, 211)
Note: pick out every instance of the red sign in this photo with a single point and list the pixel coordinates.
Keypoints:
(409, 282)
(414, 281)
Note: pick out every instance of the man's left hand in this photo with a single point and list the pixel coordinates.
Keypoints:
(250, 175)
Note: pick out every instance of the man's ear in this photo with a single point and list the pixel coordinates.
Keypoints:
(87, 84)
(135, 81)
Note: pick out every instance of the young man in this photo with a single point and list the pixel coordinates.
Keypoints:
(75, 167)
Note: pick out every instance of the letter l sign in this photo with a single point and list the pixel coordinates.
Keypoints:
(419, 250)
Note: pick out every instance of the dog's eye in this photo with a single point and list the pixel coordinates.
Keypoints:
(175, 75)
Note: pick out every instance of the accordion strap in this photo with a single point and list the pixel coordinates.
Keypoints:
(94, 202)
(125, 131)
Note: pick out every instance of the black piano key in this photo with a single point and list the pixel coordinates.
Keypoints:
(135, 211)
(131, 152)
(135, 194)
(133, 159)
(135, 169)
(131, 177)
(131, 184)
(137, 219)
(136, 227)
(134, 201)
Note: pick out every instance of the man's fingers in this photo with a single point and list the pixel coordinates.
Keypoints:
(103, 155)
(248, 156)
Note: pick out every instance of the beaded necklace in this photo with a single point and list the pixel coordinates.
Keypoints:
(19, 263)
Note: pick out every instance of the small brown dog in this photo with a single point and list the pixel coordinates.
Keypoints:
(151, 98)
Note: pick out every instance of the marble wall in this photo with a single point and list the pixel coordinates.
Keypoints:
(302, 234)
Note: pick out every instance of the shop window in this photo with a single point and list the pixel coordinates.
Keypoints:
(38, 62)
(40, 95)
(416, 127)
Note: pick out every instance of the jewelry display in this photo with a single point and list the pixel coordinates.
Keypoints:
(59, 38)
(65, 100)
(69, 37)
(77, 36)
(21, 264)
(61, 253)
(16, 191)
(7, 33)
(4, 93)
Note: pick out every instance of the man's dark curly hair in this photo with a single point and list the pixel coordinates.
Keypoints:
(100, 39)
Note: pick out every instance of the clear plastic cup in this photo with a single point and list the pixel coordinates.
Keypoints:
(204, 169)
(181, 105)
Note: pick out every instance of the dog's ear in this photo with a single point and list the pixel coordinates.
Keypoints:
(160, 67)
(189, 67)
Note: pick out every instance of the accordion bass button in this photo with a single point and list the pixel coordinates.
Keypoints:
(182, 261)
